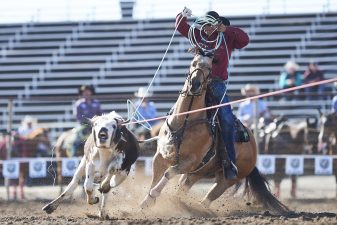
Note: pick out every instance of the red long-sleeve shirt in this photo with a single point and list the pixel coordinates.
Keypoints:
(235, 39)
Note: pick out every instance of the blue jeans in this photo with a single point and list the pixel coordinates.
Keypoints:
(225, 116)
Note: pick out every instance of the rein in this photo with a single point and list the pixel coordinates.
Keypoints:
(177, 135)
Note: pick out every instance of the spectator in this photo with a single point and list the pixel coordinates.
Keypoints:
(28, 125)
(311, 75)
(85, 108)
(247, 108)
(334, 102)
(290, 77)
(146, 110)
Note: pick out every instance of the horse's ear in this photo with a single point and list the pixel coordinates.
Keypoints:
(320, 112)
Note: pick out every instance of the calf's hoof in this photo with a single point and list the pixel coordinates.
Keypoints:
(103, 216)
(104, 188)
(49, 208)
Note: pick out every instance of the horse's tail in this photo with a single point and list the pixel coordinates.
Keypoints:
(59, 144)
(258, 186)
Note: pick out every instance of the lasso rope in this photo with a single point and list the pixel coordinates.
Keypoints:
(209, 20)
(131, 106)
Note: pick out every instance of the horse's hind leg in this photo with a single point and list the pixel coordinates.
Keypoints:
(186, 181)
(220, 186)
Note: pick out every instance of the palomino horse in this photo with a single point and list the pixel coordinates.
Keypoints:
(64, 147)
(35, 144)
(184, 141)
(327, 139)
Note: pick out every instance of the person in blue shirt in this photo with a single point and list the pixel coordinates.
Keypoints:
(246, 110)
(146, 110)
(86, 107)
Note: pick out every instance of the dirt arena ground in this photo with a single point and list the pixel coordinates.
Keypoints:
(315, 204)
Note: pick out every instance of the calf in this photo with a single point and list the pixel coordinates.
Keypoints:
(109, 153)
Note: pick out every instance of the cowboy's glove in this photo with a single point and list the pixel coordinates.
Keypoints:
(186, 12)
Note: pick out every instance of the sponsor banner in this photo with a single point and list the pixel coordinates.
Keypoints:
(323, 165)
(69, 166)
(294, 165)
(266, 164)
(11, 169)
(37, 168)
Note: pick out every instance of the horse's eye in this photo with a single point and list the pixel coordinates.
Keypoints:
(113, 126)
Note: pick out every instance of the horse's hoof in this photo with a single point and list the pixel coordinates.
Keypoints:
(49, 208)
(148, 202)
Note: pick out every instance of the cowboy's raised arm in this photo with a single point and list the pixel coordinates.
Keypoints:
(181, 21)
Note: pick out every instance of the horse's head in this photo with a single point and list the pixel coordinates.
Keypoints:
(196, 81)
(106, 129)
(328, 128)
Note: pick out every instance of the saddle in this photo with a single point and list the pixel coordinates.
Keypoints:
(240, 132)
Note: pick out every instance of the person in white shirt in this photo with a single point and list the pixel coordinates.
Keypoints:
(246, 110)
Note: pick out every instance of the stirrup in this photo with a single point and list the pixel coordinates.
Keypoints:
(231, 172)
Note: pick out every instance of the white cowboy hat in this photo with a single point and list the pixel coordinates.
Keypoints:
(29, 119)
(291, 65)
(251, 88)
(143, 93)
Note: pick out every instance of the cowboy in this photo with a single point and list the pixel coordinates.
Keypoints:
(246, 110)
(234, 38)
(85, 108)
(146, 110)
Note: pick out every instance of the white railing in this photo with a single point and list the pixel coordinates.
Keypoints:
(17, 11)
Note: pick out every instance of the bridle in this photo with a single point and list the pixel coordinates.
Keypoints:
(187, 92)
(177, 135)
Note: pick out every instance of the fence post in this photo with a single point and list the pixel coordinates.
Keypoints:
(255, 122)
(9, 139)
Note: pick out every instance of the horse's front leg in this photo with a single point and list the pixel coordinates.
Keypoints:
(172, 171)
(89, 183)
(49, 208)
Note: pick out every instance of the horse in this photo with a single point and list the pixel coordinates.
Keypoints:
(64, 147)
(289, 136)
(184, 141)
(36, 144)
(109, 153)
(327, 138)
